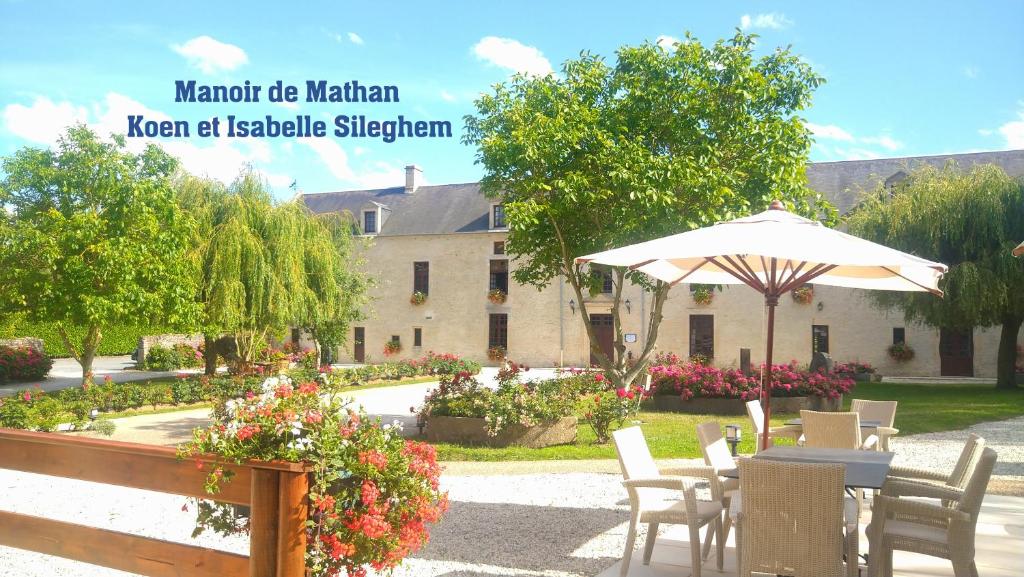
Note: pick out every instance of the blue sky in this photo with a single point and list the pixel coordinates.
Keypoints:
(904, 78)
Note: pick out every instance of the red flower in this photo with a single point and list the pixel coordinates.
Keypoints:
(308, 388)
(369, 493)
(375, 458)
(599, 378)
(620, 392)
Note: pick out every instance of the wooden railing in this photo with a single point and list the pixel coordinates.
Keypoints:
(275, 491)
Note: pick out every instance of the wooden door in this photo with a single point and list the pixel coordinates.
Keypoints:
(604, 332)
(956, 352)
(359, 344)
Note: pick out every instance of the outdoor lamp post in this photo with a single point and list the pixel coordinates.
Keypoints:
(93, 414)
(572, 306)
(628, 304)
(732, 436)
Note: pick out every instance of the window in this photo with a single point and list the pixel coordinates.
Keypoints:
(607, 286)
(819, 339)
(417, 337)
(702, 336)
(499, 247)
(899, 335)
(499, 216)
(370, 222)
(497, 332)
(296, 336)
(499, 275)
(421, 277)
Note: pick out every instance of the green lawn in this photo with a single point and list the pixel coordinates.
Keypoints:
(922, 409)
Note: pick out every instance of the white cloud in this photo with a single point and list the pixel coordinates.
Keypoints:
(211, 56)
(447, 96)
(44, 120)
(1013, 132)
(288, 105)
(836, 133)
(772, 20)
(970, 71)
(667, 42)
(512, 55)
(332, 155)
(829, 131)
(355, 38)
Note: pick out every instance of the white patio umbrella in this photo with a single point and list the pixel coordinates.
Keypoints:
(1019, 250)
(774, 252)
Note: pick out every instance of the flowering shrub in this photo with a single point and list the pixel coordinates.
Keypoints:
(23, 364)
(607, 407)
(695, 380)
(497, 296)
(901, 352)
(418, 298)
(853, 368)
(430, 364)
(372, 493)
(803, 295)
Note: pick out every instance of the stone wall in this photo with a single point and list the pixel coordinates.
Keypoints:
(147, 342)
(30, 342)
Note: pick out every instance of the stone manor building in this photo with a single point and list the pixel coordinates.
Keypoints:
(448, 242)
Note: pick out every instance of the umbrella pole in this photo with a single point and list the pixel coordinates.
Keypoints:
(766, 390)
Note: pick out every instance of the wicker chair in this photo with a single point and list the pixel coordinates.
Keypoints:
(881, 411)
(957, 479)
(718, 457)
(790, 520)
(650, 503)
(756, 415)
(831, 430)
(945, 531)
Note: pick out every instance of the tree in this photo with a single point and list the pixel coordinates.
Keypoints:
(970, 221)
(266, 266)
(98, 237)
(663, 142)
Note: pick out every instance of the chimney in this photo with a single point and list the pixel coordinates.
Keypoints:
(411, 172)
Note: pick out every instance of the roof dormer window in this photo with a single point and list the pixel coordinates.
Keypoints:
(369, 222)
(498, 216)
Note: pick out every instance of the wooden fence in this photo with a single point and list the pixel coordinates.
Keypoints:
(275, 491)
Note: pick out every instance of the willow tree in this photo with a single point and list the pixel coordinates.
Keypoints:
(661, 142)
(970, 221)
(267, 266)
(94, 238)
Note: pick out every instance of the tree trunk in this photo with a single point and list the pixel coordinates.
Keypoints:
(1006, 373)
(90, 344)
(209, 355)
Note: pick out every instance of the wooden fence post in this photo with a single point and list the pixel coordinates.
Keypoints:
(263, 518)
(292, 512)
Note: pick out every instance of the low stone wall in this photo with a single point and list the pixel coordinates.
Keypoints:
(471, 431)
(169, 340)
(30, 342)
(702, 406)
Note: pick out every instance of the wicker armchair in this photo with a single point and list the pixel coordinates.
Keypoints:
(756, 415)
(937, 530)
(881, 411)
(831, 430)
(718, 457)
(650, 503)
(793, 519)
(957, 479)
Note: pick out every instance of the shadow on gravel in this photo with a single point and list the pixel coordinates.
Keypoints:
(524, 537)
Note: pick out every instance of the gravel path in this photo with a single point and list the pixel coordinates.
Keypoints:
(537, 519)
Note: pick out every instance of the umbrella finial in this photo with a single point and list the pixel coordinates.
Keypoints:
(776, 205)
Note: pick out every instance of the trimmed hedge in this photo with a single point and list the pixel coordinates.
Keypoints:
(117, 340)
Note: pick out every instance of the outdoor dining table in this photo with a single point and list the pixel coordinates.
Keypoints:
(864, 469)
(864, 424)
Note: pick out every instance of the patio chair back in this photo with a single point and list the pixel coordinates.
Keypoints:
(634, 456)
(831, 430)
(968, 461)
(756, 414)
(882, 411)
(713, 445)
(792, 521)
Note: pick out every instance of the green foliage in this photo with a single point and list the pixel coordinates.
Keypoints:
(179, 356)
(661, 142)
(96, 238)
(969, 220)
(117, 339)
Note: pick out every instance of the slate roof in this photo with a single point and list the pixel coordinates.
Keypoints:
(452, 208)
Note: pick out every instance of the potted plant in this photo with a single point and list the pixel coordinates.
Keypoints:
(496, 353)
(497, 296)
(392, 348)
(703, 294)
(418, 298)
(803, 295)
(901, 352)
